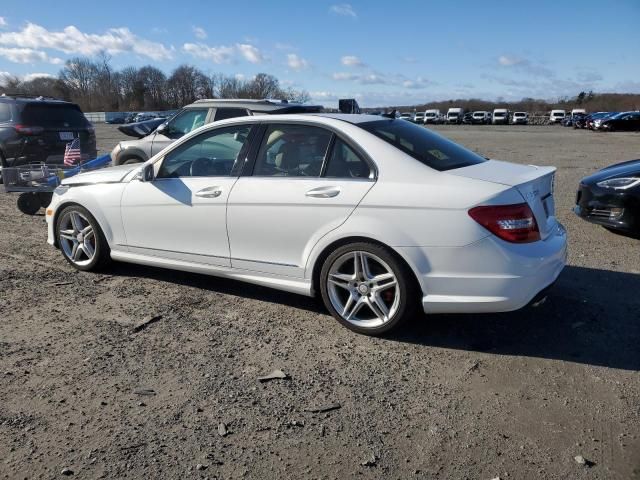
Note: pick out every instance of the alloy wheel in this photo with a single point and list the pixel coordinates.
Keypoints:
(77, 238)
(363, 289)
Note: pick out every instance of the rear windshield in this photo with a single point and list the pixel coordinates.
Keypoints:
(53, 116)
(422, 144)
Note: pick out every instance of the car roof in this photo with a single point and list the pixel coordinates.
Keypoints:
(32, 99)
(265, 105)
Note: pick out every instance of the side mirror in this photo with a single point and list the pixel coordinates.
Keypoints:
(145, 174)
(163, 128)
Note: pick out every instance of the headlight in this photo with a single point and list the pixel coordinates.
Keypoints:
(620, 183)
(61, 189)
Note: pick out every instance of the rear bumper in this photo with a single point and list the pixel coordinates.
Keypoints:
(488, 276)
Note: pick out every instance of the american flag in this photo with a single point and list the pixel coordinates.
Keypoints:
(72, 152)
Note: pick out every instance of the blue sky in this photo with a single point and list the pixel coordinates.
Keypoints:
(380, 52)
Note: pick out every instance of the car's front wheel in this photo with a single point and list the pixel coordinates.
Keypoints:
(367, 289)
(81, 240)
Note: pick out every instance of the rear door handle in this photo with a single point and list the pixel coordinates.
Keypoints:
(209, 192)
(323, 192)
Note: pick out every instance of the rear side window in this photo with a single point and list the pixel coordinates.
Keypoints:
(5, 112)
(422, 144)
(292, 151)
(345, 163)
(224, 113)
(53, 115)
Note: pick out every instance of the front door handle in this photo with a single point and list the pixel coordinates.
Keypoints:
(209, 192)
(323, 192)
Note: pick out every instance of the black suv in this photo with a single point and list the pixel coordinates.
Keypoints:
(37, 129)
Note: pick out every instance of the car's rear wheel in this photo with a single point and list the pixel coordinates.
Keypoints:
(367, 288)
(81, 240)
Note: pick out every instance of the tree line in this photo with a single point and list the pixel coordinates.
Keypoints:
(96, 86)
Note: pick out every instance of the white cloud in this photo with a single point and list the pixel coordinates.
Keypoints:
(27, 55)
(3, 22)
(525, 65)
(509, 60)
(199, 32)
(221, 54)
(343, 9)
(351, 61)
(30, 76)
(250, 53)
(224, 53)
(341, 76)
(73, 41)
(296, 63)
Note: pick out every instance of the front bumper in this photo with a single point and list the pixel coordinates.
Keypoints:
(617, 209)
(487, 276)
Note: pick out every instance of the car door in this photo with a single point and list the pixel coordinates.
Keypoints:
(305, 182)
(184, 122)
(181, 213)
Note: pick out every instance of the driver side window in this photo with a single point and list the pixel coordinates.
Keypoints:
(210, 154)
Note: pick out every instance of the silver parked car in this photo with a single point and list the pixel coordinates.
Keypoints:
(195, 115)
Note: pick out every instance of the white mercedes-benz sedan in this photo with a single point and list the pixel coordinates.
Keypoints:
(376, 215)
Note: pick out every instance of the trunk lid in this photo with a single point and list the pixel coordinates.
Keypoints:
(534, 183)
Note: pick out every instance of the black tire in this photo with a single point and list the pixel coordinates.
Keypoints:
(45, 199)
(132, 160)
(102, 256)
(29, 203)
(408, 289)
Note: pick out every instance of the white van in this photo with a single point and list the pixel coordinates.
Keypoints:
(520, 118)
(557, 116)
(500, 116)
(580, 111)
(481, 117)
(455, 115)
(432, 116)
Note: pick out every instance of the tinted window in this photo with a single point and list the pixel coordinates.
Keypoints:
(422, 144)
(345, 163)
(5, 112)
(224, 113)
(211, 154)
(292, 151)
(52, 115)
(187, 121)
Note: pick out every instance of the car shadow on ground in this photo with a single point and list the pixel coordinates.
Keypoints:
(591, 316)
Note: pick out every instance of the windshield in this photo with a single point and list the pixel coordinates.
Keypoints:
(422, 144)
(430, 114)
(478, 114)
(499, 114)
(557, 114)
(518, 114)
(54, 115)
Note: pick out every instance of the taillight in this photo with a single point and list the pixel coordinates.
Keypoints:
(513, 223)
(26, 130)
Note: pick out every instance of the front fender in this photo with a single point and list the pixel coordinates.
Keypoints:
(101, 200)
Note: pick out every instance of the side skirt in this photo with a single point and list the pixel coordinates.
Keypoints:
(287, 284)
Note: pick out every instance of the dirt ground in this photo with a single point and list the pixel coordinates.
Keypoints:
(514, 396)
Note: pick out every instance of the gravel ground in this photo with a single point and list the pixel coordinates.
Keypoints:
(514, 396)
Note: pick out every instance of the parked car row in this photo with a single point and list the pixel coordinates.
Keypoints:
(607, 121)
(458, 115)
